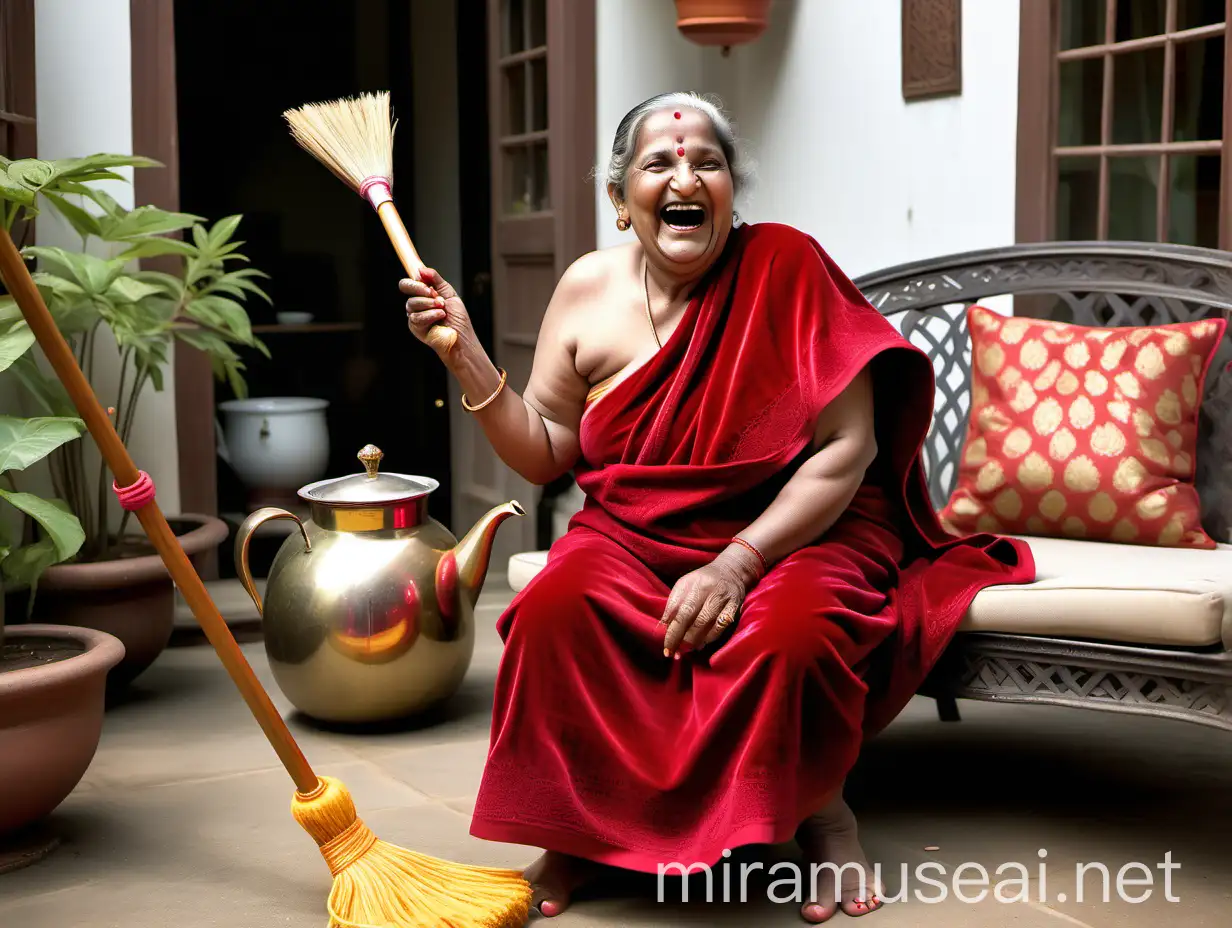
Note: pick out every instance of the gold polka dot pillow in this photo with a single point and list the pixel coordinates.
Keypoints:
(1083, 432)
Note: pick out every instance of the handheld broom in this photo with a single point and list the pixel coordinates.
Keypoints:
(354, 138)
(376, 884)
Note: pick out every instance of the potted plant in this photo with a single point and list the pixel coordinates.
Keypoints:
(52, 677)
(116, 582)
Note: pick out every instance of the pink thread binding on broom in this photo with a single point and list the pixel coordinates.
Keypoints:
(376, 190)
(135, 495)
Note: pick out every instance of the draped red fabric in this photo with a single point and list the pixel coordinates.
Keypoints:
(601, 746)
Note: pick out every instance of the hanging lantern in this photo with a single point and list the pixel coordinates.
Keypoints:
(722, 22)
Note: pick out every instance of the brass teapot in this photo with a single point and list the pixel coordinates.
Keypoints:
(369, 609)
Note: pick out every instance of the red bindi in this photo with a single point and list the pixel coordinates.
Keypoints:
(680, 151)
(676, 114)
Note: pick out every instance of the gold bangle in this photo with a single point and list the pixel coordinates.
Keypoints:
(495, 393)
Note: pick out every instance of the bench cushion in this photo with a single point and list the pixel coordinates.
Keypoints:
(1129, 594)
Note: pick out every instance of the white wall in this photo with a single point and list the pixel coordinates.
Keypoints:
(84, 84)
(840, 154)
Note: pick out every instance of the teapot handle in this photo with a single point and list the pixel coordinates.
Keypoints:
(244, 537)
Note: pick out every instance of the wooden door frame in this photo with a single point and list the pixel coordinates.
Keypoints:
(550, 240)
(572, 105)
(1035, 187)
(156, 135)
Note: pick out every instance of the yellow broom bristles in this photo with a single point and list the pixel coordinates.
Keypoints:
(380, 885)
(353, 137)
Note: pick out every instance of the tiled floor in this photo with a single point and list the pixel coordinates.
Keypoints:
(183, 819)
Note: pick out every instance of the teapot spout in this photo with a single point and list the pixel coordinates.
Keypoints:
(471, 556)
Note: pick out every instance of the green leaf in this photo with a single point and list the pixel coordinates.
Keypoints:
(26, 441)
(237, 283)
(169, 284)
(223, 313)
(147, 221)
(128, 289)
(15, 341)
(23, 567)
(59, 286)
(11, 189)
(94, 275)
(74, 168)
(92, 177)
(222, 230)
(55, 519)
(62, 539)
(105, 201)
(48, 392)
(10, 312)
(153, 247)
(32, 173)
(84, 222)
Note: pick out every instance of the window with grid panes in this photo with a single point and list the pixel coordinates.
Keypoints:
(1139, 113)
(524, 84)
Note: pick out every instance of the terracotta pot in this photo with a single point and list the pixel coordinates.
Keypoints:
(131, 598)
(722, 22)
(51, 716)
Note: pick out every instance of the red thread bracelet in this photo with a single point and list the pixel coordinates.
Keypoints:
(135, 495)
(765, 567)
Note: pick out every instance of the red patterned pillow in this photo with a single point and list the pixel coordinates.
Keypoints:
(1083, 432)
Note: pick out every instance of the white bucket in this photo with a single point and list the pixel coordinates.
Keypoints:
(275, 442)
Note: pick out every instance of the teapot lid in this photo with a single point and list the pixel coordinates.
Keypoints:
(369, 488)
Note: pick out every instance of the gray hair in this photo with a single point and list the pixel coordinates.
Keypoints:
(616, 171)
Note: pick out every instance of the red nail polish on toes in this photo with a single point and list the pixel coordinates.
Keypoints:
(549, 908)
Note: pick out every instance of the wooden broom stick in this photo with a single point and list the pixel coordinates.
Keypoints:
(23, 289)
(376, 884)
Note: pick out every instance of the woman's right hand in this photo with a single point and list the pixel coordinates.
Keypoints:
(435, 313)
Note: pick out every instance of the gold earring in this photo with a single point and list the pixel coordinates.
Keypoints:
(622, 224)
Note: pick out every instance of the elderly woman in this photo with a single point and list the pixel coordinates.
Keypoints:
(756, 582)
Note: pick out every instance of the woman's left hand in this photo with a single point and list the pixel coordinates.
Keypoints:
(702, 604)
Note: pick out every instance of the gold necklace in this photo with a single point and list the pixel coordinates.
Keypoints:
(649, 316)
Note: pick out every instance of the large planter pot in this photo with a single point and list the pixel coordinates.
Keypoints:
(275, 444)
(131, 598)
(51, 716)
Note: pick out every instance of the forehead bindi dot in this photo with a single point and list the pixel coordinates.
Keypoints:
(680, 151)
(676, 114)
(679, 139)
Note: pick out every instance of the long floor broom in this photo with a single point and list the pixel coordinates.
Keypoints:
(376, 884)
(354, 138)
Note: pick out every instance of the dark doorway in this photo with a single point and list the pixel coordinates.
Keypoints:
(239, 66)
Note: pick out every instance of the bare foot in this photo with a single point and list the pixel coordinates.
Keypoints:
(829, 838)
(553, 878)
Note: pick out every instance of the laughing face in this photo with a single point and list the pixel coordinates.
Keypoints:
(678, 192)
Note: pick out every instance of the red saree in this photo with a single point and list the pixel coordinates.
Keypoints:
(602, 747)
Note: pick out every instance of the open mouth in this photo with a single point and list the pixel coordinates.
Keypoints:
(683, 217)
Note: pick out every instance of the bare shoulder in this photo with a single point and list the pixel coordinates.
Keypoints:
(586, 283)
(591, 274)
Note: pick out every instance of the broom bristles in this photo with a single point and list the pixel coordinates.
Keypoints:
(353, 137)
(381, 885)
(392, 887)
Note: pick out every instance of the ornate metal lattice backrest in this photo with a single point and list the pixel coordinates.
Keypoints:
(1089, 283)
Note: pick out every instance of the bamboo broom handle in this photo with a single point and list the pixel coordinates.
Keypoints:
(17, 278)
(439, 337)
